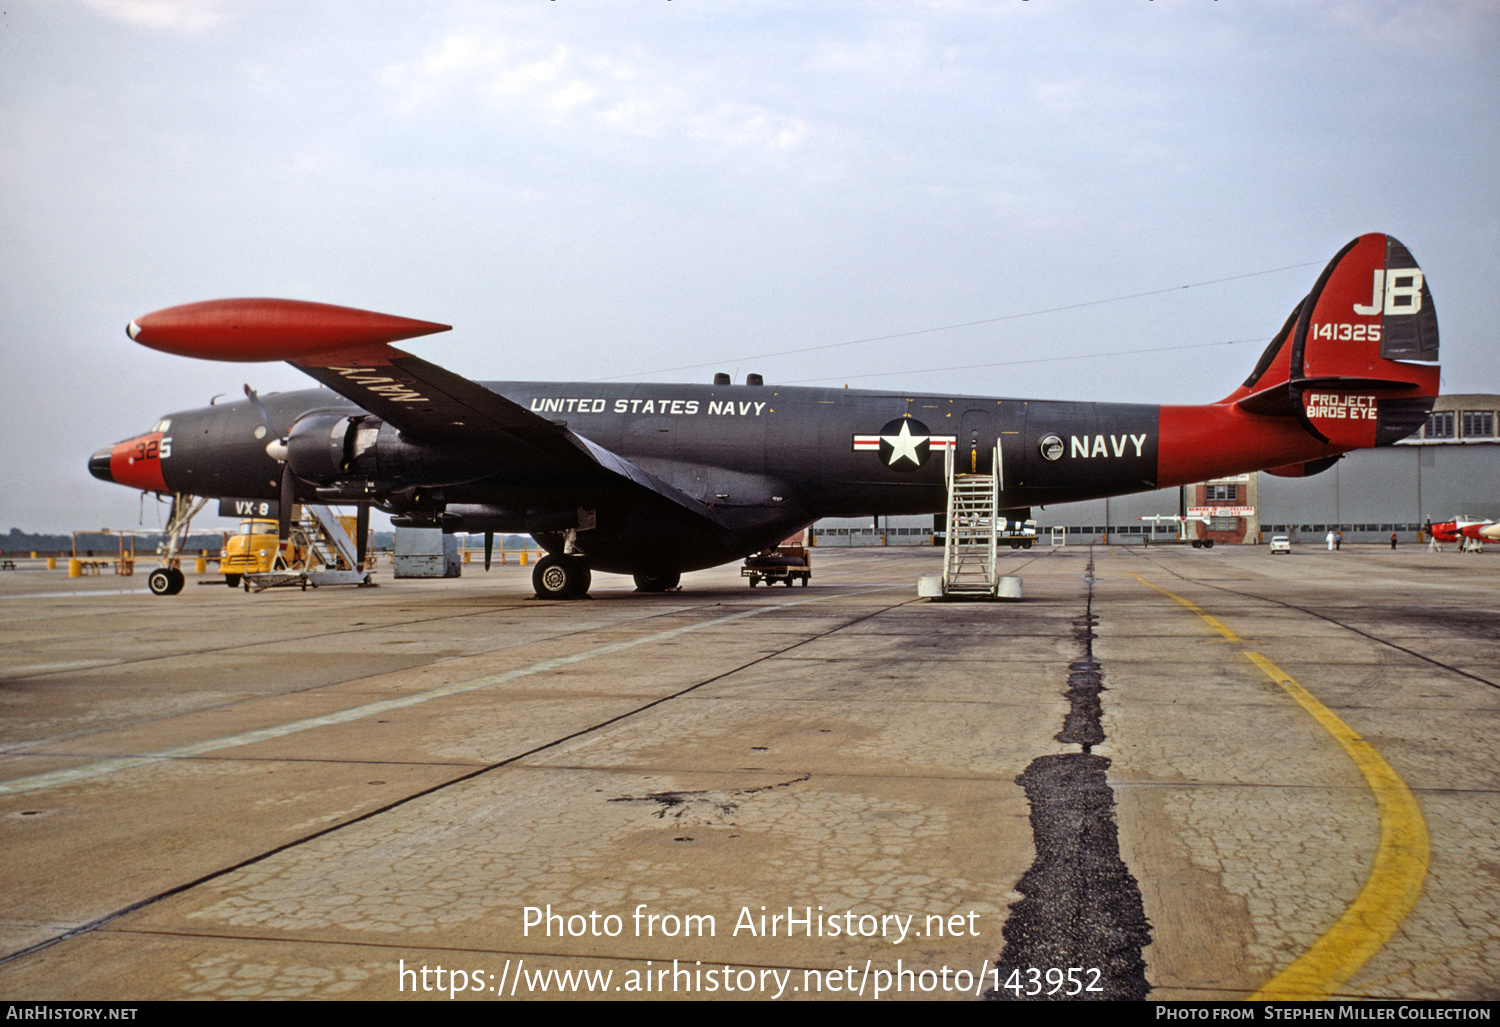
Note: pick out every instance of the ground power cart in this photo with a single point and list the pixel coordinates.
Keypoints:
(786, 564)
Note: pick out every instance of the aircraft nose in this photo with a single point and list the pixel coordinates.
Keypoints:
(135, 462)
(99, 464)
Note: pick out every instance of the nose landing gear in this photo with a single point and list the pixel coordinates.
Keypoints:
(165, 581)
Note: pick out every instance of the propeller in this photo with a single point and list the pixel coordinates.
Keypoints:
(277, 451)
(489, 547)
(276, 448)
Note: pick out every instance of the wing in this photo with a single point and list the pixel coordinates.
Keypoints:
(349, 351)
(432, 404)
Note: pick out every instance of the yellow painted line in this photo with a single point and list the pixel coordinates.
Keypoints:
(1400, 866)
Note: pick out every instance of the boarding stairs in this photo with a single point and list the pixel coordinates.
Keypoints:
(974, 524)
(328, 555)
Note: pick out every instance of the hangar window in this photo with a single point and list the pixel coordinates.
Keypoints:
(1224, 524)
(1220, 493)
(1479, 424)
(1439, 425)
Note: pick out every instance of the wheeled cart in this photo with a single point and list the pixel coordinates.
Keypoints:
(786, 564)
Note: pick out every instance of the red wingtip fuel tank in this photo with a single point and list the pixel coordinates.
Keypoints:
(249, 330)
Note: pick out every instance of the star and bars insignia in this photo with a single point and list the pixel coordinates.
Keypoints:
(904, 444)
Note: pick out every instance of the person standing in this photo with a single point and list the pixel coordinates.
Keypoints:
(1393, 540)
(1338, 540)
(1330, 540)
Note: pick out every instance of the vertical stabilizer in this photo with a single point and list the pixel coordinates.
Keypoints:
(1356, 363)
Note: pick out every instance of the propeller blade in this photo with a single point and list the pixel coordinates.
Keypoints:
(260, 408)
(362, 526)
(288, 499)
(489, 547)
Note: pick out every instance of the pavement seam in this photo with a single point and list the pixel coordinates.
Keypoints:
(108, 918)
(56, 778)
(1081, 907)
(10, 748)
(1330, 620)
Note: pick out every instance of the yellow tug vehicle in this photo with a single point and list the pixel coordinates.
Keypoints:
(250, 550)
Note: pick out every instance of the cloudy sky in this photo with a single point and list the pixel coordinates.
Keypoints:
(660, 189)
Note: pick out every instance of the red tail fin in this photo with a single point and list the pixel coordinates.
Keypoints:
(1342, 365)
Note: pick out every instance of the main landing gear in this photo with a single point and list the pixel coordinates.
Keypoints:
(657, 582)
(568, 577)
(561, 577)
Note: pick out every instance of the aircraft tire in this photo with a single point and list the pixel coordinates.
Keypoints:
(232, 580)
(560, 577)
(657, 582)
(178, 580)
(160, 582)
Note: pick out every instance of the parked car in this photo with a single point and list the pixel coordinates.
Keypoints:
(1281, 544)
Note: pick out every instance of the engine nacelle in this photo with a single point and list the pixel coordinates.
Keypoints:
(330, 447)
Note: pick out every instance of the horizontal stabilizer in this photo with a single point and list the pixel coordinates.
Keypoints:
(1304, 470)
(1284, 400)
